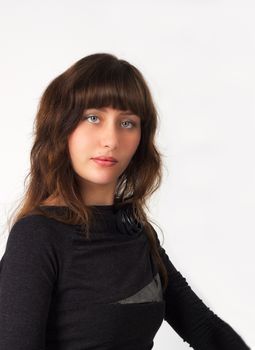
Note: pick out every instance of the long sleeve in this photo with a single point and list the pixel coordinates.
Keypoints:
(28, 270)
(193, 321)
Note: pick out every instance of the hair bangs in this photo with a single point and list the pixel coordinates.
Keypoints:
(116, 87)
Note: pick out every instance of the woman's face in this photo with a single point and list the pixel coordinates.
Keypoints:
(103, 132)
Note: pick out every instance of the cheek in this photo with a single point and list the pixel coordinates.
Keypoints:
(72, 143)
(78, 142)
(137, 140)
(131, 145)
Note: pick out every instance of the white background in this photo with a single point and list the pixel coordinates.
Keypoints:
(198, 59)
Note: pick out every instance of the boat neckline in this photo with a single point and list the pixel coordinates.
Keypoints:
(101, 206)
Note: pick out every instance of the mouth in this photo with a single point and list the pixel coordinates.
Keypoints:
(104, 162)
(108, 159)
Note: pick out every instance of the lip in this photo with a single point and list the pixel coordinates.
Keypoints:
(107, 159)
(103, 162)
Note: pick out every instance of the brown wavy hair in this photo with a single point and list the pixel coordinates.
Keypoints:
(97, 80)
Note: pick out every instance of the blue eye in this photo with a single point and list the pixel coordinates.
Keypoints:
(133, 124)
(90, 117)
(126, 121)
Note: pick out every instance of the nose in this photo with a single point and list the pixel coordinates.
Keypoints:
(110, 136)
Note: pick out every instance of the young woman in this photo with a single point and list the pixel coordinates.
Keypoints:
(83, 266)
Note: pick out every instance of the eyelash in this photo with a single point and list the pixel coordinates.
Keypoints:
(92, 115)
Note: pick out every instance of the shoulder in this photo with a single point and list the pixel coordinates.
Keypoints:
(36, 241)
(36, 232)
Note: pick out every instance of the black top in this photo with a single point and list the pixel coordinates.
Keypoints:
(60, 291)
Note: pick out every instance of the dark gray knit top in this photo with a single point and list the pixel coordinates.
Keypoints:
(59, 291)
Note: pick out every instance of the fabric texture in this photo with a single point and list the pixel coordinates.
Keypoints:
(60, 291)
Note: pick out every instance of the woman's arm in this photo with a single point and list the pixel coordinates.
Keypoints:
(27, 275)
(186, 313)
